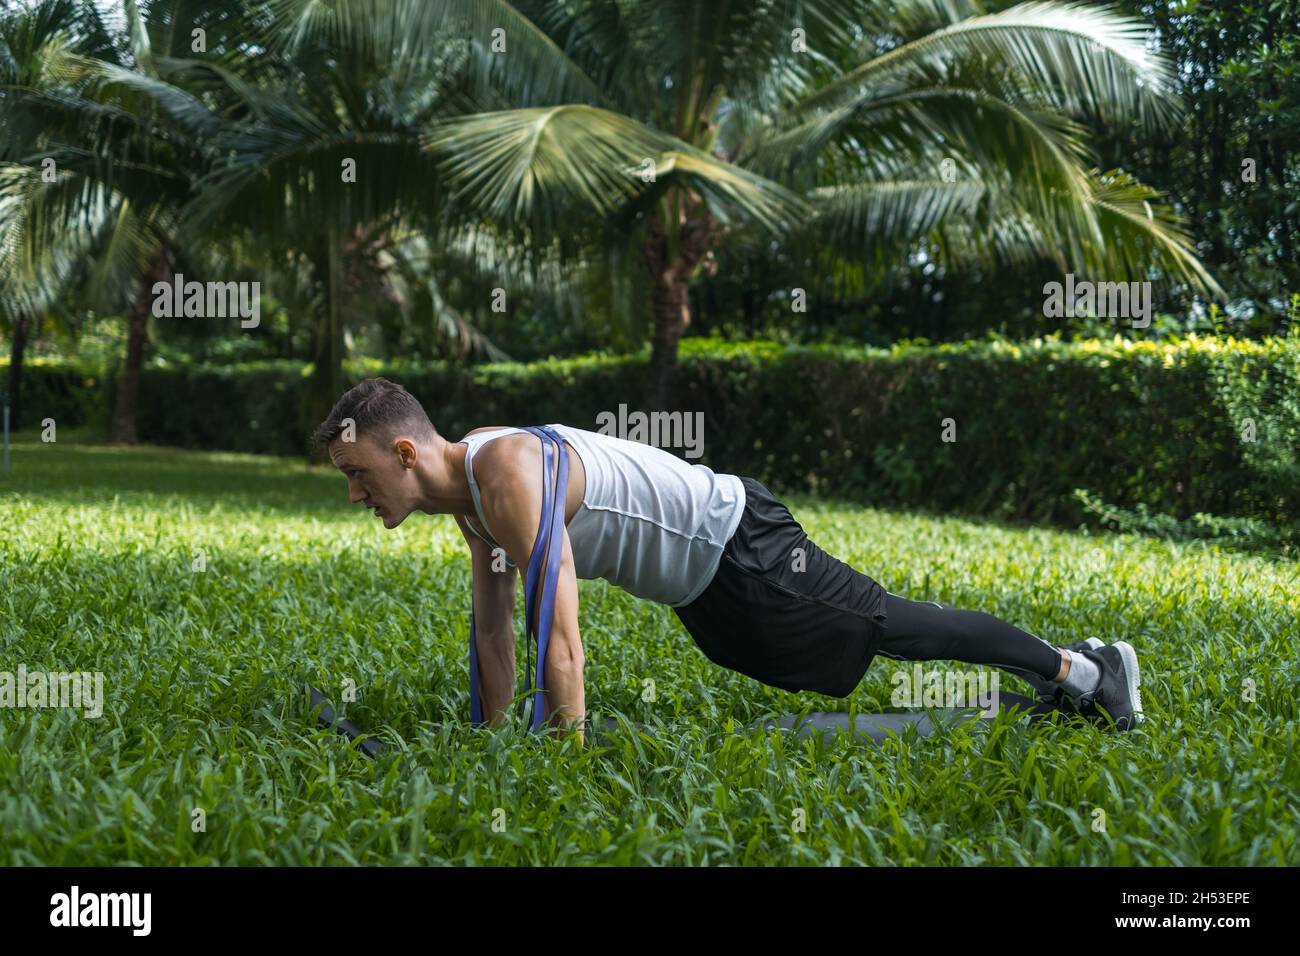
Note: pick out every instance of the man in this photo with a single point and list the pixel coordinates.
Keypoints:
(753, 591)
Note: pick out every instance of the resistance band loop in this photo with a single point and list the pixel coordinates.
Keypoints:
(543, 575)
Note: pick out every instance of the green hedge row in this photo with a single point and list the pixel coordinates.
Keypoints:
(70, 394)
(1135, 423)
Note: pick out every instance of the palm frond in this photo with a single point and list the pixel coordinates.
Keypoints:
(1141, 234)
(73, 232)
(534, 164)
(893, 213)
(1088, 61)
(185, 109)
(399, 33)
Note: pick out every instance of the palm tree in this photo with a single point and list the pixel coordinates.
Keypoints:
(52, 224)
(867, 128)
(91, 259)
(366, 81)
(103, 151)
(321, 163)
(240, 145)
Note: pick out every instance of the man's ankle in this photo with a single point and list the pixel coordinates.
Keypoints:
(1064, 670)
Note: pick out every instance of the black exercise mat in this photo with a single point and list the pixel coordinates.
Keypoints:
(870, 728)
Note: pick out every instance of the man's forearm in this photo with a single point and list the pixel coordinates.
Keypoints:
(565, 694)
(496, 667)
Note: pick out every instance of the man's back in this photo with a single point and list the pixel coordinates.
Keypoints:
(649, 522)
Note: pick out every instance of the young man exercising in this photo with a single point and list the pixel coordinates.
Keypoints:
(752, 590)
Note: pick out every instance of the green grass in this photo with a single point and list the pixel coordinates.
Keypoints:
(201, 671)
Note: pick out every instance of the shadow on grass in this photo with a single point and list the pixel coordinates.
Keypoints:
(85, 474)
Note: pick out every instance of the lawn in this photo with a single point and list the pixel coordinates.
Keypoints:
(98, 572)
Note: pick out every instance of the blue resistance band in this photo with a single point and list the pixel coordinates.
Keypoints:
(547, 549)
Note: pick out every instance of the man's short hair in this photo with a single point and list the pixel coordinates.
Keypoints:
(381, 410)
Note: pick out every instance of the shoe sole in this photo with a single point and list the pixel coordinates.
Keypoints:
(1129, 656)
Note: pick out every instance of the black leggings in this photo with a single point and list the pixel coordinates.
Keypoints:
(928, 631)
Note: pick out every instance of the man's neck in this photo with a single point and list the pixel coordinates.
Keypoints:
(444, 487)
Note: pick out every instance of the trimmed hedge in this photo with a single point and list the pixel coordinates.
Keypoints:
(1132, 422)
(70, 394)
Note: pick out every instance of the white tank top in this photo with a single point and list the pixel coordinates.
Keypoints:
(649, 522)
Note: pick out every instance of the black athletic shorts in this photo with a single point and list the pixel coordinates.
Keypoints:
(781, 610)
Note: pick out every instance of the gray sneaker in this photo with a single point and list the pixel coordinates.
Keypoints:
(1050, 692)
(1117, 698)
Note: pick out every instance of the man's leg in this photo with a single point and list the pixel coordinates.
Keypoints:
(1100, 682)
(927, 631)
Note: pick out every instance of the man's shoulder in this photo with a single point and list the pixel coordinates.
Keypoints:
(505, 464)
(500, 465)
(486, 428)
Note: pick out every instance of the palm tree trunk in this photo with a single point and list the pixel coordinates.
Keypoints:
(672, 267)
(24, 326)
(122, 430)
(670, 305)
(326, 383)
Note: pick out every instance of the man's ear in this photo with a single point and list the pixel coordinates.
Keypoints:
(406, 451)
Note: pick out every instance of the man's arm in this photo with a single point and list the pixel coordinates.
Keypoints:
(512, 504)
(494, 625)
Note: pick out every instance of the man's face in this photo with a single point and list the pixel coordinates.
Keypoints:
(383, 479)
